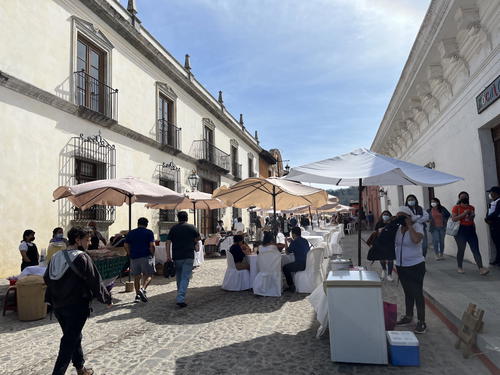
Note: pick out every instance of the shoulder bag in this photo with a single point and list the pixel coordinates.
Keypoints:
(452, 227)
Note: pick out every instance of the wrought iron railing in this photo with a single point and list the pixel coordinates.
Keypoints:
(97, 213)
(168, 215)
(95, 95)
(203, 150)
(236, 170)
(169, 134)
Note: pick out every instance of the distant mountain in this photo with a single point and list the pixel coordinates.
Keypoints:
(345, 195)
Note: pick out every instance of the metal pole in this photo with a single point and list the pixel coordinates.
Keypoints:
(360, 210)
(194, 210)
(275, 224)
(310, 214)
(129, 228)
(317, 218)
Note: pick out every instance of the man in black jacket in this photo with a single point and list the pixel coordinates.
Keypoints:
(72, 282)
(493, 219)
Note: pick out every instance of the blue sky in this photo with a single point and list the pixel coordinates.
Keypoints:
(313, 77)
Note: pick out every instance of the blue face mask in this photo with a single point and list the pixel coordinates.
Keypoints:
(412, 203)
(60, 236)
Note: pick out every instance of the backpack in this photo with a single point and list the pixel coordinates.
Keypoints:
(384, 246)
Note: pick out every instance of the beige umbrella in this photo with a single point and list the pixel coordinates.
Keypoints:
(116, 192)
(195, 200)
(270, 192)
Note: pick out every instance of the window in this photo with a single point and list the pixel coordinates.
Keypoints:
(250, 168)
(94, 159)
(234, 162)
(167, 215)
(208, 136)
(169, 177)
(168, 131)
(90, 66)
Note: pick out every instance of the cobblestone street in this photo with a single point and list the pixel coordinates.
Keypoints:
(219, 333)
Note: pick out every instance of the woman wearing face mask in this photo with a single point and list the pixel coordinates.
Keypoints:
(410, 264)
(56, 243)
(464, 213)
(387, 265)
(28, 250)
(58, 236)
(419, 216)
(438, 218)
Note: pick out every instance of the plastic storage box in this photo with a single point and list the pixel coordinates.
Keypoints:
(403, 348)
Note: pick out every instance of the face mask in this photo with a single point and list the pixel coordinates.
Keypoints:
(385, 217)
(412, 203)
(434, 204)
(32, 239)
(59, 235)
(464, 200)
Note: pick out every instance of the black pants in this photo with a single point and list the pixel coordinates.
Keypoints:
(412, 280)
(495, 236)
(292, 267)
(71, 319)
(467, 235)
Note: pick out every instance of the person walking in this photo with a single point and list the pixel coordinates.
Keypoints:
(419, 215)
(438, 217)
(465, 213)
(181, 245)
(387, 265)
(72, 282)
(140, 246)
(28, 250)
(410, 264)
(493, 220)
(299, 247)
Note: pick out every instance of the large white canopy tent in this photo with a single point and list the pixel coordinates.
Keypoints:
(363, 167)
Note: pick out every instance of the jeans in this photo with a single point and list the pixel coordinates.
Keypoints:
(467, 235)
(495, 236)
(292, 267)
(425, 242)
(387, 264)
(71, 319)
(438, 235)
(412, 281)
(183, 271)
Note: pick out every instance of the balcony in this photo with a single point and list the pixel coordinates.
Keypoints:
(94, 95)
(169, 134)
(207, 152)
(236, 170)
(94, 213)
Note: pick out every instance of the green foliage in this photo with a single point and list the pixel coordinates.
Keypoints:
(345, 195)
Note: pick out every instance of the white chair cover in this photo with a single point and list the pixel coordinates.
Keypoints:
(199, 256)
(319, 302)
(305, 233)
(306, 281)
(335, 247)
(268, 280)
(280, 238)
(235, 280)
(226, 244)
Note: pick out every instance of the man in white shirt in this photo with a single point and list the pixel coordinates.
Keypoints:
(239, 226)
(493, 220)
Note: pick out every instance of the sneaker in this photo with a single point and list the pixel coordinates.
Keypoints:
(460, 270)
(382, 275)
(404, 320)
(389, 278)
(181, 304)
(290, 289)
(137, 299)
(142, 295)
(420, 328)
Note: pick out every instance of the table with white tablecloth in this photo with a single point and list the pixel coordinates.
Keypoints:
(160, 254)
(254, 266)
(314, 240)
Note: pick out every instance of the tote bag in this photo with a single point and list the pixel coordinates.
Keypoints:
(452, 227)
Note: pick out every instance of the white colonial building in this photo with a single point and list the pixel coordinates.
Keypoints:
(87, 93)
(444, 112)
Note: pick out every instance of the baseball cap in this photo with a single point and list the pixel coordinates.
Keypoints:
(494, 189)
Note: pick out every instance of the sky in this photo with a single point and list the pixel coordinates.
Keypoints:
(314, 77)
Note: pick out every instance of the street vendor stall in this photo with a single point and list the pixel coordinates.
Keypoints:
(109, 263)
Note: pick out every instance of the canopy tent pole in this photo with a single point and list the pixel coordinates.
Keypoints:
(360, 210)
(275, 224)
(310, 214)
(129, 228)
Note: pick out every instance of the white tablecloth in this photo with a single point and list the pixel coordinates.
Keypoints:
(314, 240)
(254, 269)
(160, 254)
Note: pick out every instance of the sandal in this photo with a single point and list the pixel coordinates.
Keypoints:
(85, 371)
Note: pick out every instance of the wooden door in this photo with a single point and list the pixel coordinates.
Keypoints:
(207, 219)
(495, 132)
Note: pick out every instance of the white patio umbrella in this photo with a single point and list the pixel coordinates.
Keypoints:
(195, 200)
(272, 192)
(116, 192)
(363, 167)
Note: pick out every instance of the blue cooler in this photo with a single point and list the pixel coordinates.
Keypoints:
(403, 348)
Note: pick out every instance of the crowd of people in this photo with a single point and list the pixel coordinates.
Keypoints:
(404, 235)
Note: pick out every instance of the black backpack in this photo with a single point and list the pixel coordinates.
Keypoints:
(384, 247)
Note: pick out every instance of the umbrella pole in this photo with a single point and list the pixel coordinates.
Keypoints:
(317, 217)
(129, 227)
(360, 200)
(275, 224)
(310, 214)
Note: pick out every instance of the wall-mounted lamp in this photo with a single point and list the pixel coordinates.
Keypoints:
(193, 180)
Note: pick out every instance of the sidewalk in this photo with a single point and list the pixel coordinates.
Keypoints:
(450, 293)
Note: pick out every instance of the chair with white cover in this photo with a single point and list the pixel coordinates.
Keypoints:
(268, 280)
(304, 232)
(235, 280)
(306, 281)
(280, 238)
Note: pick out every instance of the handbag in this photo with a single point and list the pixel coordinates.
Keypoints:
(169, 269)
(390, 315)
(452, 227)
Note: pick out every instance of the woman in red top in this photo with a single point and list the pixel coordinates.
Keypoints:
(464, 213)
